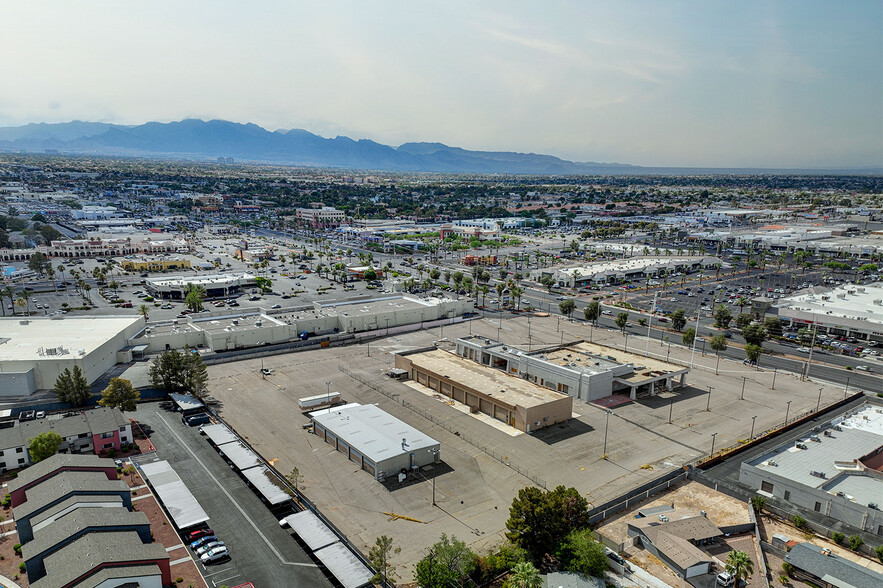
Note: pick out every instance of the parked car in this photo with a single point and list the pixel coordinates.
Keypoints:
(209, 546)
(202, 541)
(803, 349)
(215, 555)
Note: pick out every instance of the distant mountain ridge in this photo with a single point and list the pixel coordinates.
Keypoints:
(207, 140)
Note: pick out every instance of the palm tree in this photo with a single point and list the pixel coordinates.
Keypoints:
(60, 269)
(7, 292)
(23, 301)
(524, 575)
(143, 311)
(740, 565)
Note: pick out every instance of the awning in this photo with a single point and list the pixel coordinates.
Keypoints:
(181, 504)
(268, 489)
(345, 566)
(187, 402)
(311, 529)
(241, 456)
(219, 434)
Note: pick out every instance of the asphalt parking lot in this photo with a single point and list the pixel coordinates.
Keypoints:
(261, 551)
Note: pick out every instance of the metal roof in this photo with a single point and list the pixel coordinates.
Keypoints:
(860, 488)
(219, 434)
(374, 433)
(241, 456)
(311, 529)
(178, 500)
(259, 478)
(345, 566)
(187, 401)
(833, 569)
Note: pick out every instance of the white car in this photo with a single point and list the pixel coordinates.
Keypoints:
(803, 349)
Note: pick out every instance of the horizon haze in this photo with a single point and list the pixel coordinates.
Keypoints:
(679, 84)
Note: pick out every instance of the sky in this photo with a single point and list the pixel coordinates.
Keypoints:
(703, 83)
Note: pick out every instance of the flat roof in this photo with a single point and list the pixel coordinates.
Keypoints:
(846, 301)
(187, 401)
(219, 434)
(202, 280)
(856, 438)
(643, 366)
(60, 337)
(345, 566)
(861, 489)
(311, 529)
(495, 383)
(262, 479)
(373, 432)
(241, 456)
(633, 264)
(176, 497)
(236, 323)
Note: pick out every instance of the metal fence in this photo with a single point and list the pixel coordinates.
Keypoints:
(448, 427)
(624, 501)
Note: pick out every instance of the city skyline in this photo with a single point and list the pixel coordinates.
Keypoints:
(682, 84)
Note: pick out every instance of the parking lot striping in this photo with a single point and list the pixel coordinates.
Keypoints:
(215, 582)
(142, 497)
(216, 572)
(232, 501)
(174, 547)
(180, 561)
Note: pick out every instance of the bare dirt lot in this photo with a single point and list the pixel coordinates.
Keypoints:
(477, 481)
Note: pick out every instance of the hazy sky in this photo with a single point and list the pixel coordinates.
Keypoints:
(774, 84)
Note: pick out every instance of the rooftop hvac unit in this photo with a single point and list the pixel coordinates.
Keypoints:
(801, 446)
(821, 475)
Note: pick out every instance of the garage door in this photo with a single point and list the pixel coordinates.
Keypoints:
(697, 570)
(486, 407)
(501, 414)
(343, 448)
(458, 395)
(330, 438)
(421, 378)
(369, 468)
(355, 456)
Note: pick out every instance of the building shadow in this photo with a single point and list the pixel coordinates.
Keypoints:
(562, 431)
(665, 398)
(424, 474)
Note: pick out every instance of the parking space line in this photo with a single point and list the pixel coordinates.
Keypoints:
(180, 561)
(174, 547)
(232, 500)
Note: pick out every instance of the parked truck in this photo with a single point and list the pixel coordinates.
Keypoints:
(319, 401)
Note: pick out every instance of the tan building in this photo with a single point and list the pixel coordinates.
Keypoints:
(154, 265)
(512, 400)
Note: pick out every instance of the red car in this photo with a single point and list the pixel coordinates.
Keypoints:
(199, 533)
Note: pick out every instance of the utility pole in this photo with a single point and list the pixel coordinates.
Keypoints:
(742, 395)
(751, 436)
(787, 409)
(812, 347)
(819, 403)
(695, 336)
(775, 371)
(708, 404)
(606, 427)
(650, 323)
(671, 405)
(713, 435)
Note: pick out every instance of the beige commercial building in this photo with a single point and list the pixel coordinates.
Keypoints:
(509, 399)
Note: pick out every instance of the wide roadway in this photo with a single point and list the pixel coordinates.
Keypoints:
(261, 551)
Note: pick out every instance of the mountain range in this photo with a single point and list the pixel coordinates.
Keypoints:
(208, 140)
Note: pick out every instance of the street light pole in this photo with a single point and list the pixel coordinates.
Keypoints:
(708, 404)
(713, 435)
(846, 391)
(328, 393)
(606, 427)
(671, 404)
(787, 409)
(775, 371)
(650, 323)
(751, 436)
(819, 403)
(695, 336)
(742, 395)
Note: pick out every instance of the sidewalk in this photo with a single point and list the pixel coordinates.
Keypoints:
(7, 583)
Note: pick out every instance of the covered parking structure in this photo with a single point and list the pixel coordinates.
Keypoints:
(177, 499)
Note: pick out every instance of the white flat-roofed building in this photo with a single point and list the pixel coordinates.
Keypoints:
(835, 470)
(216, 285)
(612, 272)
(97, 212)
(34, 351)
(376, 441)
(326, 216)
(848, 310)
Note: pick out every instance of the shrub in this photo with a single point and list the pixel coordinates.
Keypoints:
(798, 521)
(17, 548)
(837, 537)
(855, 542)
(783, 579)
(21, 567)
(787, 568)
(111, 452)
(179, 579)
(879, 551)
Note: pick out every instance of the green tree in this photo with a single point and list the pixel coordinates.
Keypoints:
(689, 336)
(195, 294)
(567, 307)
(72, 386)
(370, 274)
(718, 344)
(855, 542)
(592, 312)
(743, 320)
(144, 311)
(44, 445)
(678, 319)
(722, 317)
(539, 519)
(120, 393)
(38, 262)
(379, 555)
(773, 326)
(265, 284)
(168, 371)
(449, 562)
(879, 552)
(740, 565)
(758, 503)
(754, 334)
(581, 553)
(524, 575)
(753, 352)
(622, 319)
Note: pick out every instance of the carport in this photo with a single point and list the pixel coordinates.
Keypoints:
(260, 479)
(177, 499)
(345, 566)
(241, 456)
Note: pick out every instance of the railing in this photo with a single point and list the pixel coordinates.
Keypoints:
(448, 427)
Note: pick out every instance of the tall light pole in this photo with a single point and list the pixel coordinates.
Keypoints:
(846, 391)
(751, 436)
(713, 435)
(695, 336)
(328, 393)
(708, 403)
(671, 405)
(775, 371)
(742, 395)
(812, 346)
(606, 427)
(787, 409)
(650, 323)
(819, 403)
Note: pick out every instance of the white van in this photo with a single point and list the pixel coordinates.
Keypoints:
(725, 579)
